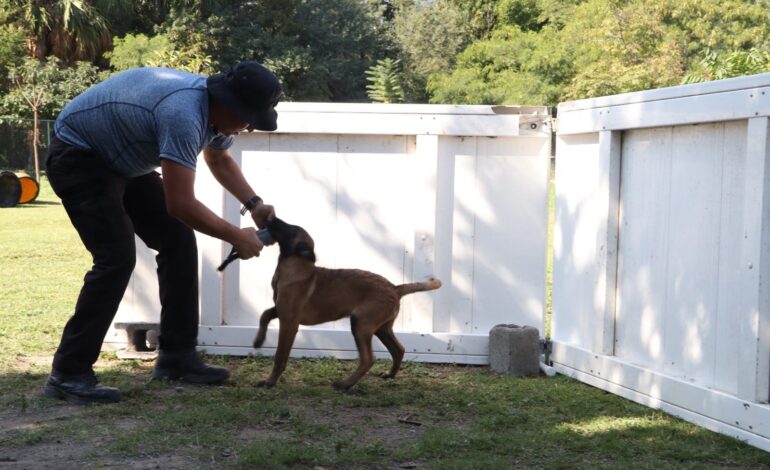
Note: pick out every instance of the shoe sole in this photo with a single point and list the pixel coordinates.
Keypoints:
(58, 394)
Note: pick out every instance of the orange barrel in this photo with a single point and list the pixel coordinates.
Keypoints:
(29, 188)
(10, 189)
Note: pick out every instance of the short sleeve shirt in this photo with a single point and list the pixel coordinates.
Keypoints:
(136, 117)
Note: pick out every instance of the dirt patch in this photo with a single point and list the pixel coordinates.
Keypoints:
(15, 420)
(66, 455)
(58, 455)
(24, 362)
(385, 425)
(20, 449)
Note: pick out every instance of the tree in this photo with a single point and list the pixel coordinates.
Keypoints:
(42, 89)
(12, 50)
(582, 48)
(190, 60)
(734, 64)
(71, 30)
(511, 67)
(136, 50)
(385, 78)
(319, 49)
(429, 35)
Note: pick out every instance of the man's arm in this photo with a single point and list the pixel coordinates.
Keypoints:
(179, 189)
(230, 176)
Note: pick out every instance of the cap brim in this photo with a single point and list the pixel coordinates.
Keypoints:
(265, 119)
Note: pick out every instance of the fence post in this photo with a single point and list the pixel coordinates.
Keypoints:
(606, 289)
(754, 355)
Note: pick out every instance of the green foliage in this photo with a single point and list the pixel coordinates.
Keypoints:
(623, 47)
(43, 89)
(546, 51)
(12, 51)
(523, 13)
(479, 15)
(137, 51)
(512, 67)
(734, 64)
(429, 35)
(385, 78)
(454, 51)
(319, 49)
(70, 30)
(189, 60)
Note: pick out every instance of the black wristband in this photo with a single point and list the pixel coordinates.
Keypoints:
(251, 204)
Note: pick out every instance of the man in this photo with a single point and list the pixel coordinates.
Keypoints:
(101, 163)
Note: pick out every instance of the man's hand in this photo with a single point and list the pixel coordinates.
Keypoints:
(248, 243)
(262, 214)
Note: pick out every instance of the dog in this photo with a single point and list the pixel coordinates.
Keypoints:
(308, 295)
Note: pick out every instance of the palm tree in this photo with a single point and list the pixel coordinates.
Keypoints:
(71, 30)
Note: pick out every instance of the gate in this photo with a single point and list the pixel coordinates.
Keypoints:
(406, 191)
(660, 285)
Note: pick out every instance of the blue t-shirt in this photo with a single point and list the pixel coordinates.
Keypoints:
(136, 117)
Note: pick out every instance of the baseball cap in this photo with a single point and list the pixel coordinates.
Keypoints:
(250, 92)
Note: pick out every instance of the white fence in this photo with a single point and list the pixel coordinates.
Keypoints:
(661, 263)
(459, 192)
(661, 241)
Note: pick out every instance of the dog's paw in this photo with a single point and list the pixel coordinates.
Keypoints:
(387, 375)
(265, 383)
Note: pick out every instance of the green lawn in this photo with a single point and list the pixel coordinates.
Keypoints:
(431, 416)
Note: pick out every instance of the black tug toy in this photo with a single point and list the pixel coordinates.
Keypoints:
(264, 236)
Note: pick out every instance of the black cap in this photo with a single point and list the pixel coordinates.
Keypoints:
(250, 92)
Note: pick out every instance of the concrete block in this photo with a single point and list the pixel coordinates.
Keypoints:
(141, 340)
(514, 350)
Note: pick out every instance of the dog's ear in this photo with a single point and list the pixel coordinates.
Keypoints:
(304, 250)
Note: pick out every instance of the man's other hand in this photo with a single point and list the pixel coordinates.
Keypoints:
(248, 243)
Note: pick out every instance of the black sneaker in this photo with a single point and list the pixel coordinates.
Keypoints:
(187, 366)
(81, 389)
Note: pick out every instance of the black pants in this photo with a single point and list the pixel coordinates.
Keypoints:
(107, 210)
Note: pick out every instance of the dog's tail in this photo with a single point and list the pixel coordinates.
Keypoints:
(430, 284)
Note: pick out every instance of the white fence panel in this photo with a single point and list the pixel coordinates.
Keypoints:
(407, 191)
(667, 191)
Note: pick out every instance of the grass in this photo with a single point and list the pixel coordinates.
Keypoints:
(431, 416)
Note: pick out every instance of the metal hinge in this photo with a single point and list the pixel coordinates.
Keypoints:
(534, 123)
(553, 124)
(546, 348)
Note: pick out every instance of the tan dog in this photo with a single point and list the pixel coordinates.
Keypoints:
(308, 295)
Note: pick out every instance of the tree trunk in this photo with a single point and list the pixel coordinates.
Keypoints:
(35, 141)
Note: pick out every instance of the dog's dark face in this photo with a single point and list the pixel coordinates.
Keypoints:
(293, 240)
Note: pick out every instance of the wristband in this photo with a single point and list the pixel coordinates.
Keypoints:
(251, 204)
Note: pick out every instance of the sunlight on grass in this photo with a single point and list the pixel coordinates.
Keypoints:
(605, 424)
(43, 263)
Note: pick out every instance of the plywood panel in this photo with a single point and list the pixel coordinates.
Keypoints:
(731, 299)
(373, 222)
(693, 250)
(681, 201)
(298, 176)
(510, 207)
(642, 246)
(576, 238)
(459, 315)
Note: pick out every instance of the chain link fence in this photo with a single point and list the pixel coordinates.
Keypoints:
(16, 152)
